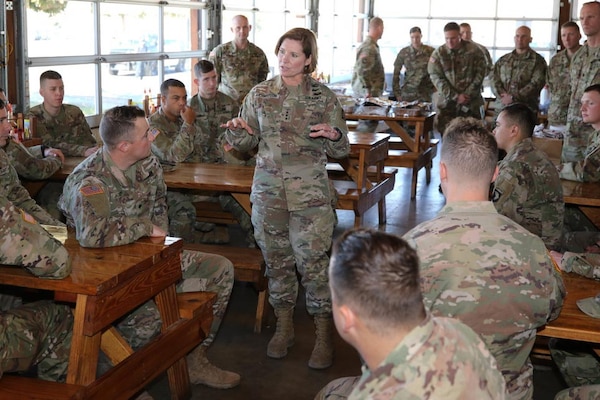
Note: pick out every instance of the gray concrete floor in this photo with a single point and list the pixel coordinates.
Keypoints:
(238, 348)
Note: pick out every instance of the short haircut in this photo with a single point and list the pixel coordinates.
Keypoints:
(375, 22)
(203, 67)
(415, 29)
(570, 24)
(49, 75)
(2, 104)
(451, 26)
(589, 3)
(118, 123)
(520, 114)
(164, 87)
(377, 275)
(592, 88)
(465, 25)
(309, 45)
(469, 149)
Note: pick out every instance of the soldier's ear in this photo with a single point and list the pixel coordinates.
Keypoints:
(123, 146)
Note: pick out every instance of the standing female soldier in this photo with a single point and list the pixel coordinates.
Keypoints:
(297, 122)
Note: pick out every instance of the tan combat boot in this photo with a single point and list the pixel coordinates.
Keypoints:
(322, 354)
(284, 334)
(202, 372)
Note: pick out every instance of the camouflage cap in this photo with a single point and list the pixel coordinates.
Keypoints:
(590, 306)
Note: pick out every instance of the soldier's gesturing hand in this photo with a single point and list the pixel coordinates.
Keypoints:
(188, 114)
(236, 124)
(325, 131)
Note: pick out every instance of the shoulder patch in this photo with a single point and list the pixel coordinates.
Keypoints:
(91, 190)
(27, 218)
(496, 195)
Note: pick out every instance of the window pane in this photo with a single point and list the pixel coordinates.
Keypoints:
(68, 32)
(120, 38)
(402, 8)
(465, 8)
(80, 86)
(526, 9)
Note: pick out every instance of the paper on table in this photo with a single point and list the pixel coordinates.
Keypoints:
(58, 232)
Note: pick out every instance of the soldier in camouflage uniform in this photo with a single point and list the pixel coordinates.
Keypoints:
(585, 71)
(62, 126)
(38, 333)
(457, 69)
(34, 163)
(467, 34)
(417, 84)
(240, 64)
(9, 180)
(558, 80)
(481, 267)
(586, 392)
(368, 76)
(527, 189)
(297, 123)
(118, 195)
(588, 168)
(408, 353)
(520, 75)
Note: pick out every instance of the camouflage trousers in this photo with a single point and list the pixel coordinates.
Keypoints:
(201, 272)
(450, 111)
(181, 212)
(39, 334)
(585, 392)
(338, 389)
(296, 239)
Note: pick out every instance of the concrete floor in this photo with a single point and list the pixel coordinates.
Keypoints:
(238, 349)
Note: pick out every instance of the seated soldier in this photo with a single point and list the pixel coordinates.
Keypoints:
(378, 309)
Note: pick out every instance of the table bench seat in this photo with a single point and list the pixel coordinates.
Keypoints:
(400, 156)
(25, 388)
(249, 266)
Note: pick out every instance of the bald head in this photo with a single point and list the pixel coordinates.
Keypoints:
(241, 29)
(522, 39)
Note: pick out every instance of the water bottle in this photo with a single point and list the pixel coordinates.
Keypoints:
(544, 100)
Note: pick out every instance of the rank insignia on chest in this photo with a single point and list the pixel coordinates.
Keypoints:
(91, 190)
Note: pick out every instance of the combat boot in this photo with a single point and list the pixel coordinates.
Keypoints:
(284, 334)
(202, 372)
(322, 354)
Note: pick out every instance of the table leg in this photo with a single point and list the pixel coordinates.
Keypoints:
(83, 358)
(179, 380)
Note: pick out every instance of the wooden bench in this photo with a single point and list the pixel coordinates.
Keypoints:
(24, 388)
(211, 211)
(249, 266)
(400, 156)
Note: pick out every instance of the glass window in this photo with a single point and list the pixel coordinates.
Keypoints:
(61, 29)
(139, 45)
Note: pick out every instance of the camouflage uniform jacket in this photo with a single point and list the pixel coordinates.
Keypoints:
(440, 358)
(560, 88)
(521, 75)
(488, 58)
(18, 195)
(290, 166)
(458, 71)
(528, 191)
(585, 71)
(588, 169)
(29, 162)
(417, 84)
(68, 131)
(368, 77)
(239, 69)
(176, 140)
(493, 275)
(25, 243)
(109, 207)
(210, 114)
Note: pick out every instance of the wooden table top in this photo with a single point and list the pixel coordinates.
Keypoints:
(96, 270)
(572, 323)
(211, 177)
(396, 117)
(581, 193)
(367, 140)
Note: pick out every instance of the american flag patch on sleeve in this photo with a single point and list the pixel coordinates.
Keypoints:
(91, 190)
(27, 218)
